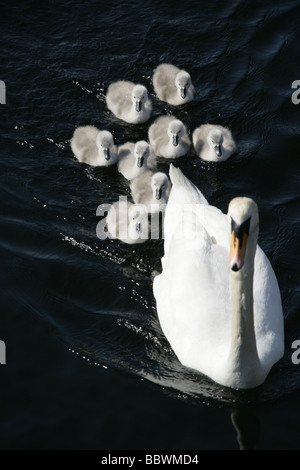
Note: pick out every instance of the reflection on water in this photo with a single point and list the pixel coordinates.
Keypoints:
(247, 426)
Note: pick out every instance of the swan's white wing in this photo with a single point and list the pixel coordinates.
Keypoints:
(193, 298)
(268, 315)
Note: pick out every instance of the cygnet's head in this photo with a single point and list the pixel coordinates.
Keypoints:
(244, 220)
(182, 82)
(105, 143)
(141, 152)
(175, 131)
(215, 140)
(138, 220)
(139, 96)
(159, 184)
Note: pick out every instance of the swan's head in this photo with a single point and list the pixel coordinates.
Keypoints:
(159, 184)
(244, 219)
(139, 96)
(175, 131)
(182, 83)
(105, 143)
(138, 220)
(215, 140)
(141, 152)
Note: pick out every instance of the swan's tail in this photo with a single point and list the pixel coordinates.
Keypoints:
(179, 181)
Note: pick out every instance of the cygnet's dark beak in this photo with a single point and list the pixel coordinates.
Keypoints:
(106, 154)
(183, 92)
(218, 150)
(138, 105)
(175, 140)
(140, 162)
(158, 192)
(138, 227)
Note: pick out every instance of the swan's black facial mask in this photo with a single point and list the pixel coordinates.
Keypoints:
(239, 236)
(240, 230)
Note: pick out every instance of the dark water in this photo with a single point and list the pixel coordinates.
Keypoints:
(87, 364)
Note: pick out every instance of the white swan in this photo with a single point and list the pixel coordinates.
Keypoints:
(217, 297)
(94, 147)
(168, 137)
(213, 143)
(129, 102)
(151, 189)
(127, 222)
(172, 84)
(134, 159)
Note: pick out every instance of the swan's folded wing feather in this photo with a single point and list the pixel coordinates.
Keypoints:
(118, 97)
(268, 315)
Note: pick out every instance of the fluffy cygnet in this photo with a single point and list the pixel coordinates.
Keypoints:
(135, 158)
(173, 85)
(213, 143)
(168, 137)
(94, 147)
(129, 102)
(152, 190)
(127, 222)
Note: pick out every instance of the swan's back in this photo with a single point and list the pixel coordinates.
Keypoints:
(127, 161)
(158, 132)
(141, 190)
(83, 143)
(164, 81)
(118, 97)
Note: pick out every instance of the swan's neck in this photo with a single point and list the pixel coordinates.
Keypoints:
(243, 357)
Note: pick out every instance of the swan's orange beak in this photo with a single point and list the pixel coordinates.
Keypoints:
(237, 250)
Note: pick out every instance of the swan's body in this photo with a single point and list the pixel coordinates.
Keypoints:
(168, 137)
(173, 85)
(129, 102)
(127, 222)
(219, 317)
(94, 147)
(151, 189)
(135, 158)
(213, 143)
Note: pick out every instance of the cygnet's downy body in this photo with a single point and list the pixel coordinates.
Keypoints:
(152, 190)
(129, 102)
(169, 138)
(213, 143)
(173, 85)
(127, 222)
(94, 147)
(135, 158)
